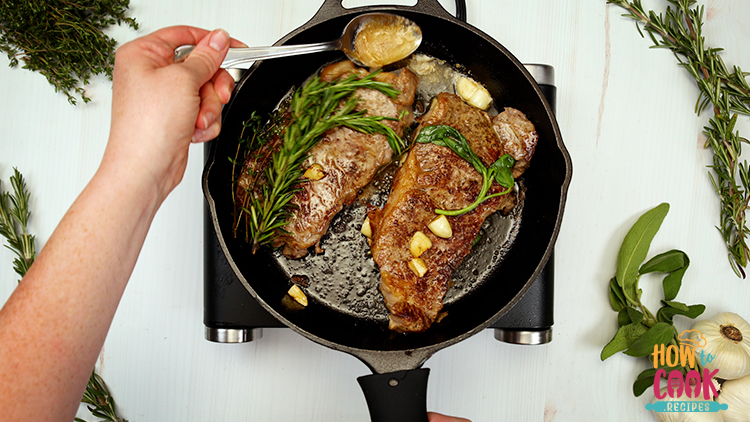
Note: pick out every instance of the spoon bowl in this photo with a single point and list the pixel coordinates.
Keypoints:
(369, 40)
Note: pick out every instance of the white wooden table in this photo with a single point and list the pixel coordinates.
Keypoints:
(626, 114)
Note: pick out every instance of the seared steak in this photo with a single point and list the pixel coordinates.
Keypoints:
(347, 159)
(433, 177)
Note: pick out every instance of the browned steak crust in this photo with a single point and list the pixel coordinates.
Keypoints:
(433, 177)
(348, 159)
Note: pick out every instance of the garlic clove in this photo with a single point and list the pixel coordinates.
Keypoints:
(736, 395)
(473, 93)
(298, 295)
(441, 227)
(727, 340)
(314, 172)
(419, 244)
(418, 267)
(366, 228)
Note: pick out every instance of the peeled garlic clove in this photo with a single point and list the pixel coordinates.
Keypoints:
(736, 395)
(441, 227)
(473, 93)
(298, 295)
(314, 172)
(419, 244)
(684, 416)
(726, 337)
(418, 267)
(366, 228)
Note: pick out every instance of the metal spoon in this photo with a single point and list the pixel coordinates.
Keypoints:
(362, 42)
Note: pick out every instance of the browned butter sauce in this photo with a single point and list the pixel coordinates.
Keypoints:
(385, 39)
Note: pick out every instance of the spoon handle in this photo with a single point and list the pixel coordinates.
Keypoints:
(240, 57)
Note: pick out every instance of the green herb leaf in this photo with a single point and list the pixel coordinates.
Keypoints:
(660, 333)
(644, 381)
(635, 247)
(503, 169)
(623, 339)
(616, 297)
(667, 312)
(675, 263)
(499, 171)
(623, 318)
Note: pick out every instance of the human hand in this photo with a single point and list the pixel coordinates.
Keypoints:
(159, 106)
(437, 417)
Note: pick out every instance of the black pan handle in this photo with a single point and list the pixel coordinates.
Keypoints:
(333, 8)
(396, 396)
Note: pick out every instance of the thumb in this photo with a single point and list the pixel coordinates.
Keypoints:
(205, 59)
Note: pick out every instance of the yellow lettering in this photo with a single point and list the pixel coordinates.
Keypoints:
(687, 354)
(658, 355)
(672, 355)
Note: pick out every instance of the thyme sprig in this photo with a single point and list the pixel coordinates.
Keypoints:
(14, 222)
(62, 40)
(727, 93)
(314, 109)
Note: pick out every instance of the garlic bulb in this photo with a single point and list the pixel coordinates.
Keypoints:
(727, 345)
(736, 395)
(685, 416)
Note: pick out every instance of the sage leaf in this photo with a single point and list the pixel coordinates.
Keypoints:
(635, 247)
(623, 318)
(665, 262)
(660, 333)
(675, 263)
(667, 312)
(616, 297)
(635, 315)
(623, 339)
(644, 381)
(677, 305)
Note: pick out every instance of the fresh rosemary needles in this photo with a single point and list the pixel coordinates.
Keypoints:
(727, 93)
(313, 109)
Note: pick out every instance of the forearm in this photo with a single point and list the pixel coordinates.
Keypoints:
(53, 326)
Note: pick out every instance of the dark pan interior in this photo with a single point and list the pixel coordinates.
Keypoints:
(546, 182)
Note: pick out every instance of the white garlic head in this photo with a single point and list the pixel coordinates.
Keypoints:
(727, 345)
(736, 395)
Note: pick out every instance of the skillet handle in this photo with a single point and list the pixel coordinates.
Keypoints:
(396, 396)
(332, 8)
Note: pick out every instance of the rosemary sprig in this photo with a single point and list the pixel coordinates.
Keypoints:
(100, 402)
(62, 40)
(14, 221)
(728, 93)
(315, 108)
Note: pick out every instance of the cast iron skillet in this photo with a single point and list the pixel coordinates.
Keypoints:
(397, 389)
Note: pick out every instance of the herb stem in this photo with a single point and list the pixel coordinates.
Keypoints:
(727, 93)
(315, 108)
